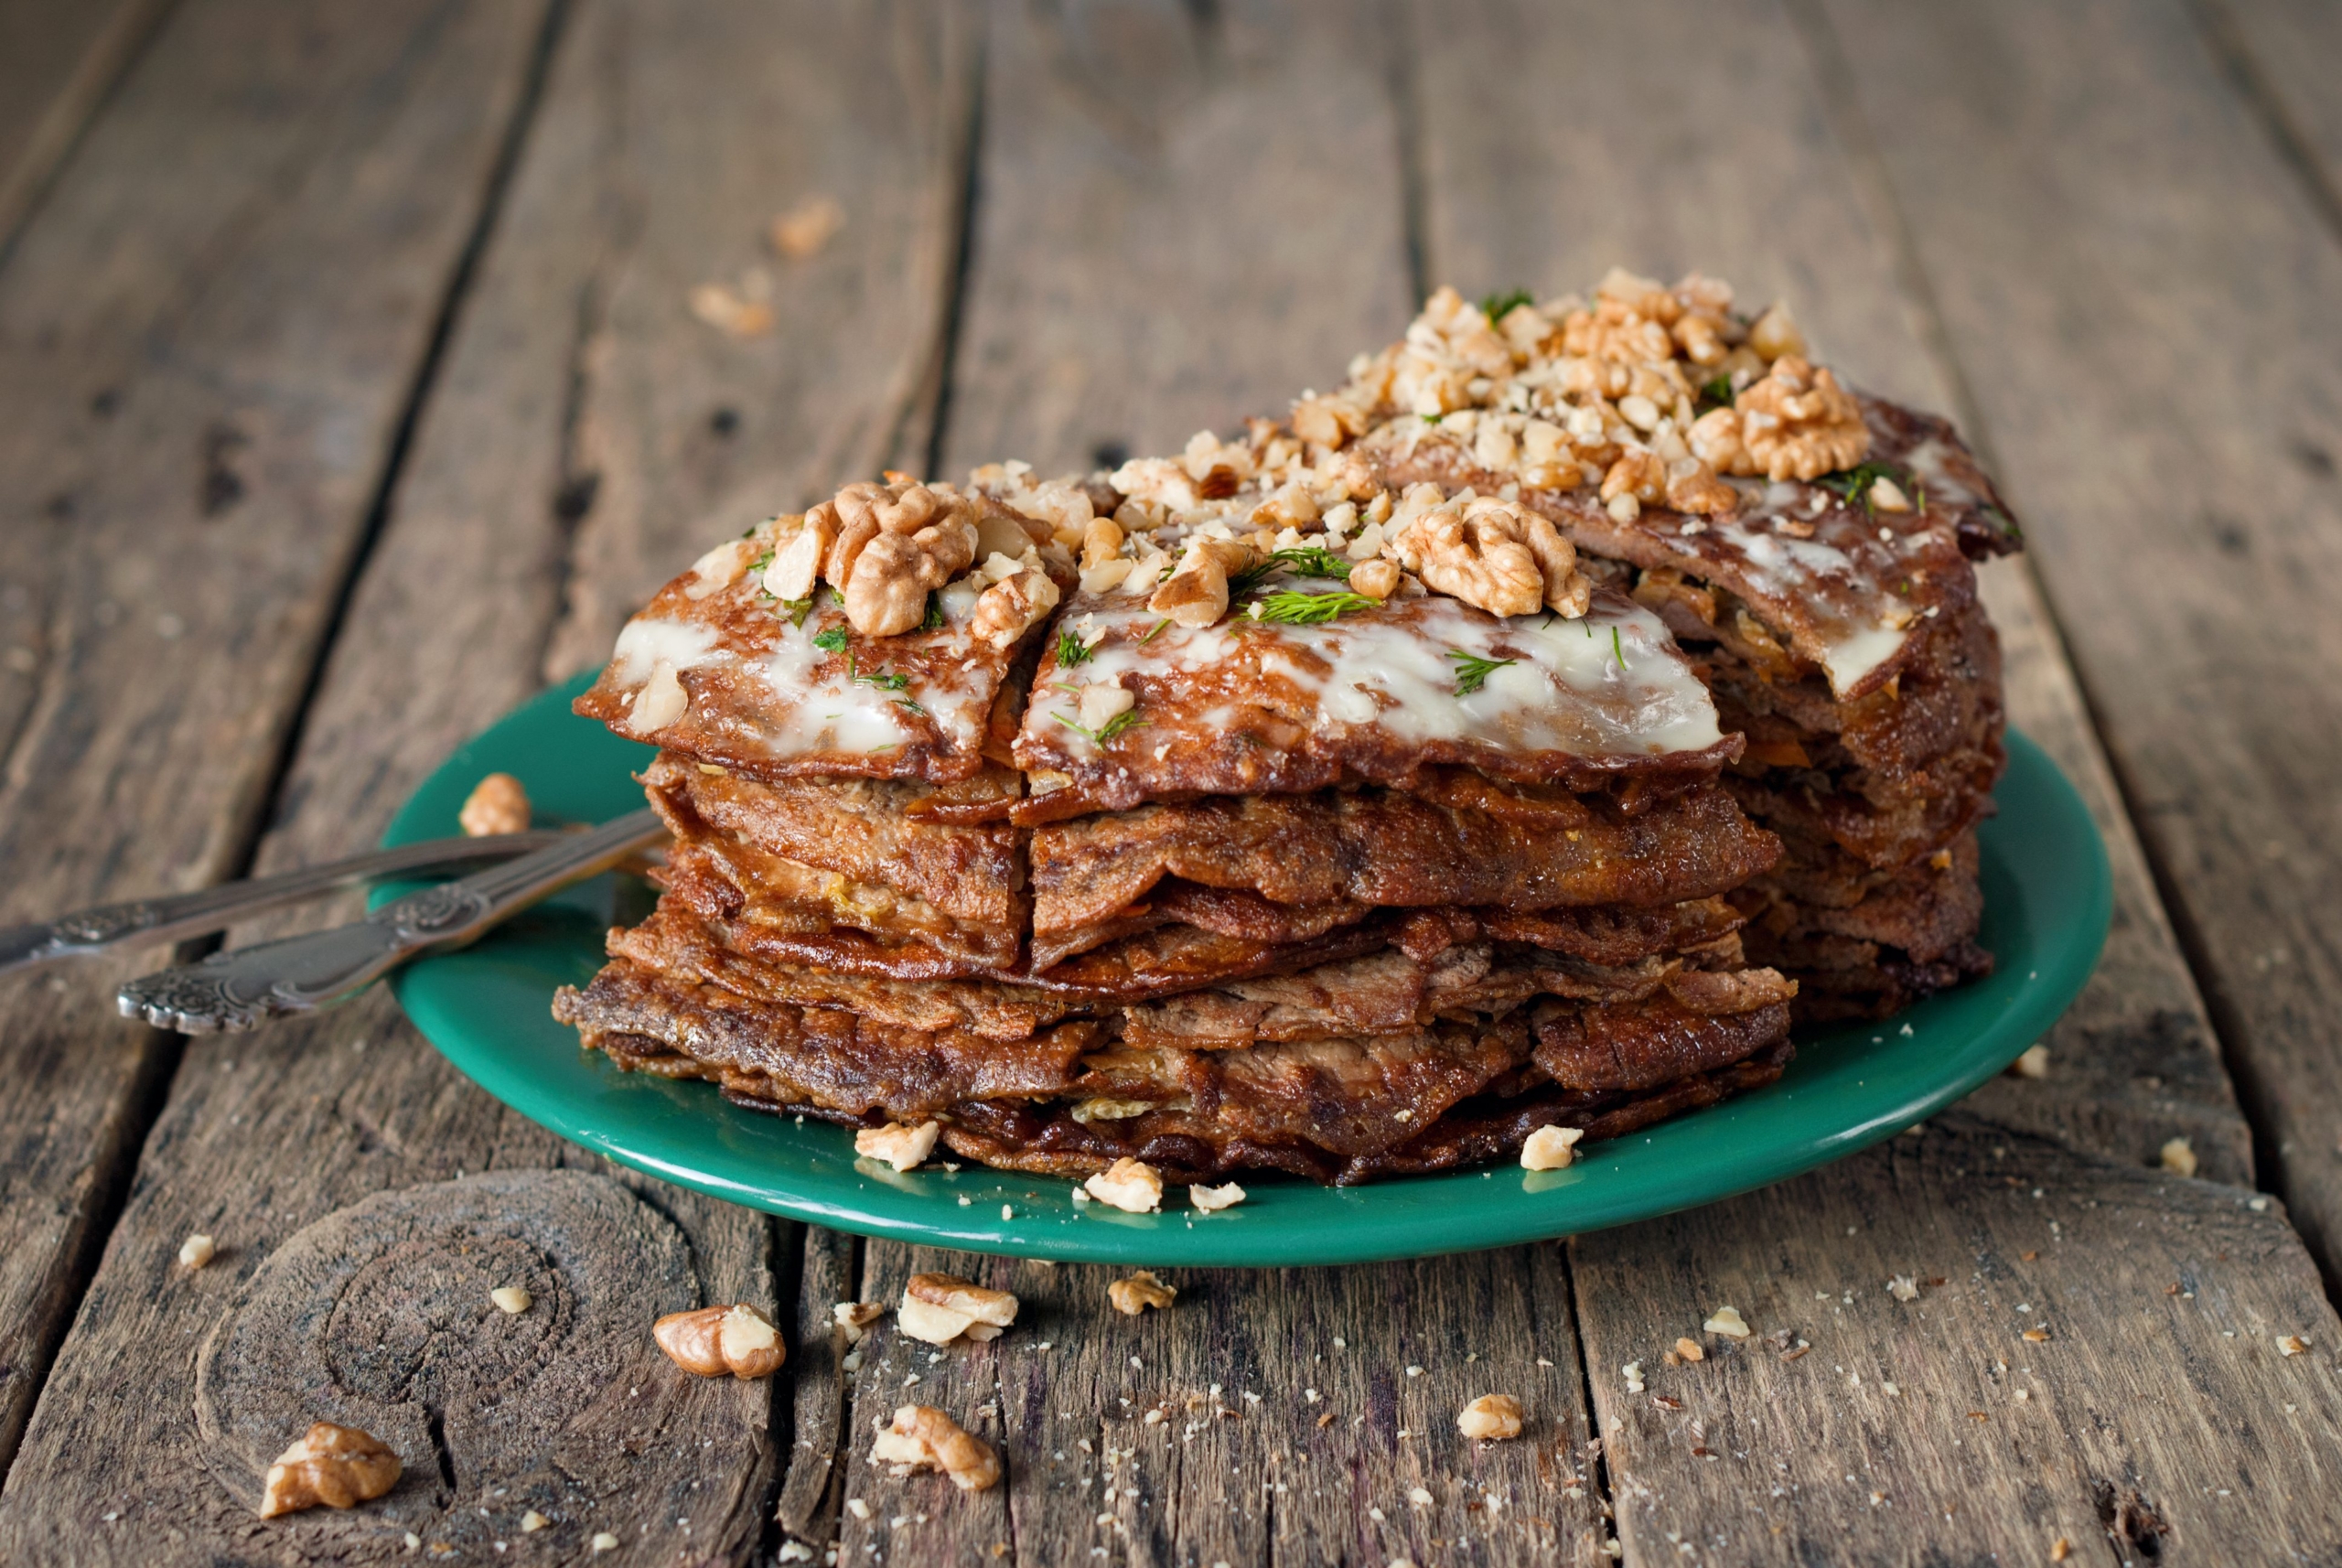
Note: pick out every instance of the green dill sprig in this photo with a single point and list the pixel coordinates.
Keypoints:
(1292, 608)
(1151, 631)
(1497, 306)
(798, 608)
(830, 641)
(1308, 561)
(885, 679)
(1617, 650)
(932, 620)
(1472, 671)
(910, 706)
(1128, 719)
(1071, 650)
(1857, 483)
(757, 567)
(1716, 394)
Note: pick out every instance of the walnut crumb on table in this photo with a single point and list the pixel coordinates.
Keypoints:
(1489, 1418)
(940, 1308)
(714, 1340)
(338, 1466)
(198, 1251)
(922, 1437)
(512, 1300)
(1142, 1290)
(1726, 1321)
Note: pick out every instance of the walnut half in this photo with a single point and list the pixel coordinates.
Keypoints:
(339, 1467)
(1488, 552)
(714, 1340)
(923, 1438)
(892, 545)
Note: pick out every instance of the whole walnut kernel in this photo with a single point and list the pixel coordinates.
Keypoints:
(714, 1340)
(1492, 554)
(339, 1467)
(1799, 424)
(893, 544)
(922, 1437)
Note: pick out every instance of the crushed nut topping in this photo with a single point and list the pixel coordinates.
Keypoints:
(901, 1147)
(1550, 1148)
(940, 1308)
(714, 1340)
(1141, 1291)
(497, 804)
(892, 545)
(1491, 1418)
(1799, 424)
(1211, 1199)
(922, 1437)
(854, 1318)
(1687, 1348)
(1132, 1185)
(339, 1467)
(1488, 552)
(1195, 593)
(1021, 594)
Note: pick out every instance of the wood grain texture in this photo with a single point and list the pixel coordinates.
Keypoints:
(448, 628)
(2158, 1419)
(206, 346)
(1525, 186)
(1188, 213)
(702, 125)
(57, 59)
(1286, 1415)
(2161, 396)
(2282, 56)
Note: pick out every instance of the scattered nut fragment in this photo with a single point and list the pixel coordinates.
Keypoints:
(923, 1438)
(533, 1521)
(855, 1317)
(2036, 1337)
(1009, 609)
(720, 308)
(1726, 1321)
(2033, 1063)
(2293, 1345)
(901, 1147)
(1141, 1291)
(714, 1340)
(497, 804)
(1489, 1418)
(513, 1300)
(1688, 1348)
(2060, 1549)
(604, 1541)
(1903, 1287)
(804, 229)
(1212, 1198)
(661, 701)
(2179, 1157)
(1195, 593)
(1550, 1148)
(339, 1467)
(1377, 579)
(940, 1308)
(197, 1250)
(1132, 1185)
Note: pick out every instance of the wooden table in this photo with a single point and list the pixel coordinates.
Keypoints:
(350, 389)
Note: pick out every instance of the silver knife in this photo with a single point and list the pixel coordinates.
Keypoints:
(243, 988)
(143, 922)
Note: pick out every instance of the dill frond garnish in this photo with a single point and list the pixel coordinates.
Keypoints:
(1497, 306)
(1071, 650)
(1294, 607)
(830, 641)
(1308, 561)
(885, 679)
(933, 619)
(1856, 483)
(1472, 671)
(1128, 719)
(1716, 394)
(1617, 650)
(1158, 626)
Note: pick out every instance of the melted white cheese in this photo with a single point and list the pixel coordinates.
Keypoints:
(645, 644)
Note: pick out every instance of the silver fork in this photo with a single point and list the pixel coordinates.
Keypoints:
(143, 922)
(243, 988)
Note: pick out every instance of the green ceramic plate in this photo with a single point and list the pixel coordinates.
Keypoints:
(2046, 903)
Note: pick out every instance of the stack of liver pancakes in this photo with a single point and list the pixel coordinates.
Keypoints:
(1519, 735)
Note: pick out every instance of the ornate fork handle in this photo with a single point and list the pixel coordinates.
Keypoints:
(243, 988)
(146, 921)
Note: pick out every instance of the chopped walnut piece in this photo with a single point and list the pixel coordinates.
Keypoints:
(198, 1251)
(1101, 540)
(1493, 553)
(1775, 335)
(2293, 1345)
(1639, 473)
(1211, 1199)
(1491, 1418)
(1132, 1185)
(1726, 1321)
(1011, 606)
(1687, 1348)
(892, 545)
(1195, 593)
(2033, 1062)
(940, 1308)
(900, 1146)
(714, 1340)
(1377, 579)
(1327, 421)
(1550, 1148)
(513, 1300)
(1799, 424)
(339, 1467)
(854, 1318)
(923, 1438)
(2179, 1157)
(1903, 1287)
(717, 304)
(1693, 487)
(799, 545)
(804, 229)
(661, 701)
(1141, 1291)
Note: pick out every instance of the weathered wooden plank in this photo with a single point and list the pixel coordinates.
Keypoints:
(447, 628)
(2160, 1400)
(57, 57)
(1187, 211)
(2161, 395)
(1756, 189)
(2283, 56)
(1286, 1415)
(205, 345)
